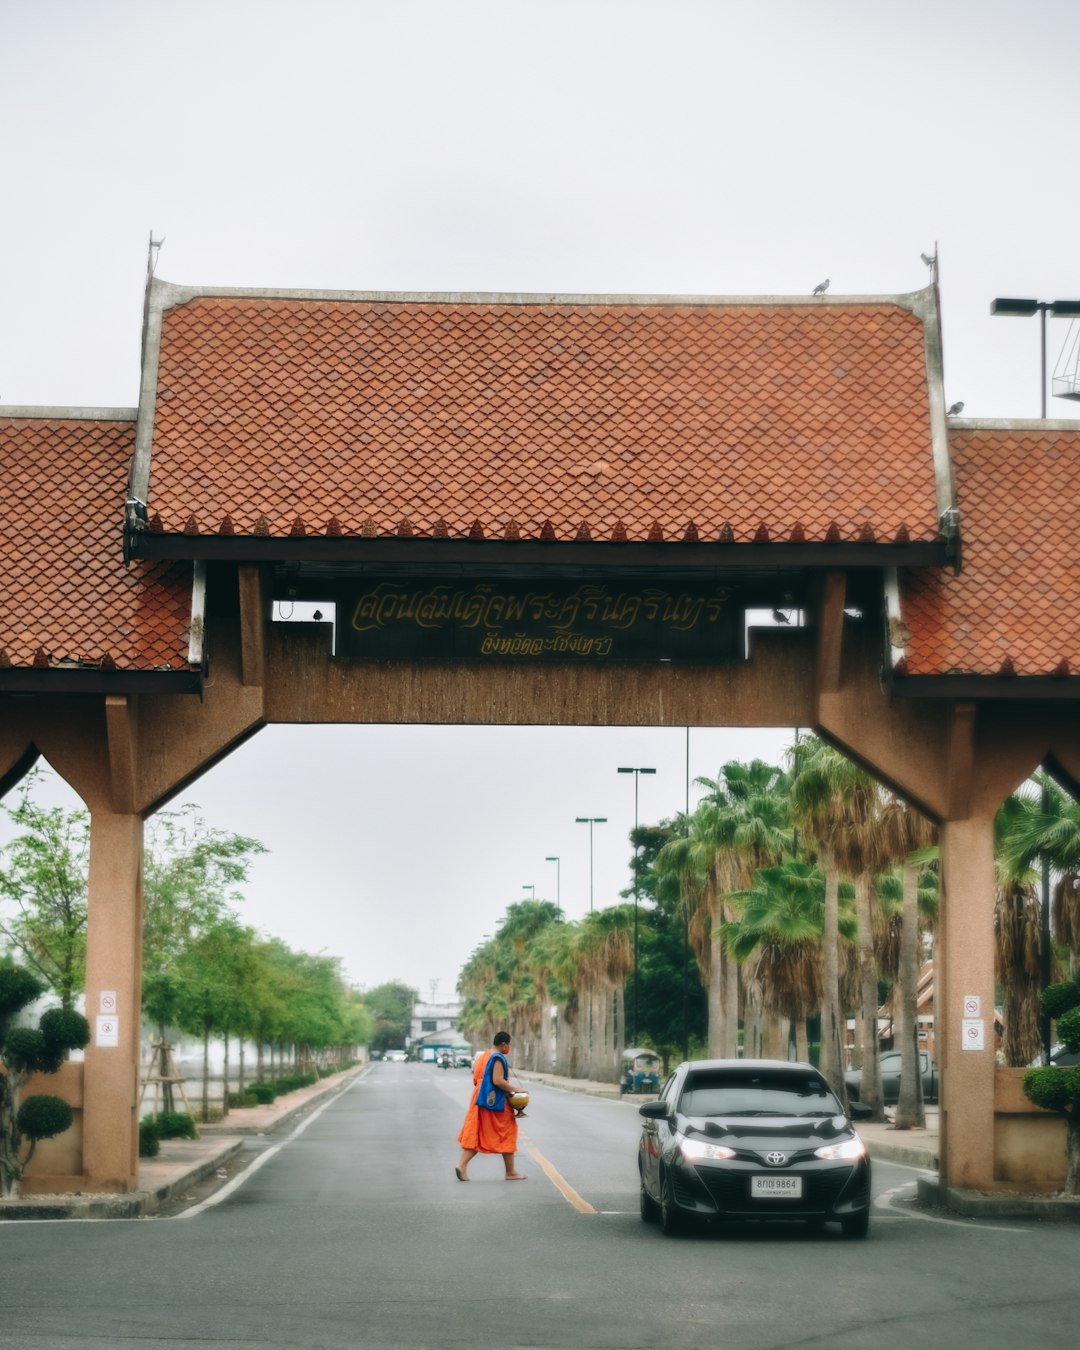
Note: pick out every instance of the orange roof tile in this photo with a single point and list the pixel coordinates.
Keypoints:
(487, 416)
(67, 596)
(1013, 608)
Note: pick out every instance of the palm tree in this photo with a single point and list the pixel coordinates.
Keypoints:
(908, 837)
(839, 805)
(1033, 829)
(741, 825)
(778, 935)
(1045, 827)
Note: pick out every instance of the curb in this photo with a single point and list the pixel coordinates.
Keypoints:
(142, 1204)
(998, 1205)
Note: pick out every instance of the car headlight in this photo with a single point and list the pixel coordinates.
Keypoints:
(694, 1150)
(850, 1148)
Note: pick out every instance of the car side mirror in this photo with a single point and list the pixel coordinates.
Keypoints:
(654, 1110)
(860, 1111)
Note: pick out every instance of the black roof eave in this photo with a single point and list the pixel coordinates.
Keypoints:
(1017, 688)
(394, 550)
(90, 680)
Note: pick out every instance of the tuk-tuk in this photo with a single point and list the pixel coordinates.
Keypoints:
(640, 1071)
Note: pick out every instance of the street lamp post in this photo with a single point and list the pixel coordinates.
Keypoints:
(637, 774)
(1024, 309)
(558, 881)
(590, 821)
(530, 887)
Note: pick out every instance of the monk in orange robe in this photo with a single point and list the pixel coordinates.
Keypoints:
(487, 1131)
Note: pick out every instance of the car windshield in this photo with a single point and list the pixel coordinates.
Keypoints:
(771, 1092)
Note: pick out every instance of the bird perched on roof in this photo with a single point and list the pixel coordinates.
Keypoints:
(821, 287)
(930, 259)
(954, 409)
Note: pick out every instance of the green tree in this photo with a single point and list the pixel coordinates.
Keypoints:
(24, 1051)
(741, 825)
(43, 882)
(391, 1005)
(192, 876)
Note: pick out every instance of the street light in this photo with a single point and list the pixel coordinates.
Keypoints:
(558, 882)
(590, 821)
(1024, 309)
(530, 887)
(637, 774)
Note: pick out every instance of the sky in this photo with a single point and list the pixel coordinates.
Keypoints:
(573, 146)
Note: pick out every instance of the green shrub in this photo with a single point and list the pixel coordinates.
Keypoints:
(176, 1125)
(149, 1139)
(264, 1093)
(1057, 999)
(1068, 1028)
(41, 1117)
(1054, 1087)
(245, 1098)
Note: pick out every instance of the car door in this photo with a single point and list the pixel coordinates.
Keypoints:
(653, 1136)
(890, 1076)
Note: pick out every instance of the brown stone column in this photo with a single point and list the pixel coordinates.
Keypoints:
(113, 966)
(967, 970)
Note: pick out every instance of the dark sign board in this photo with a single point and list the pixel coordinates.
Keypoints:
(536, 621)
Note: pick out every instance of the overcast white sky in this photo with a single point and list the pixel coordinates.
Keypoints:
(562, 145)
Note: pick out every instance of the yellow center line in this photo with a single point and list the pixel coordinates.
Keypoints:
(558, 1181)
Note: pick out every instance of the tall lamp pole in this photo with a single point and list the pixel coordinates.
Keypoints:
(558, 881)
(590, 821)
(1024, 309)
(531, 888)
(637, 774)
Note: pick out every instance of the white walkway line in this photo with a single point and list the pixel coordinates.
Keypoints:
(885, 1201)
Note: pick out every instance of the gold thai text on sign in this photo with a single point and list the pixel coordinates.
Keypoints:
(589, 621)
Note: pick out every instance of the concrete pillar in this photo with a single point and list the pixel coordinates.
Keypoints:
(113, 969)
(967, 972)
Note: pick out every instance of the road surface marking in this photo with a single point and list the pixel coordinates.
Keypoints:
(558, 1181)
(885, 1201)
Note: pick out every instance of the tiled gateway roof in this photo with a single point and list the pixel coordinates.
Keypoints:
(1014, 609)
(281, 414)
(67, 599)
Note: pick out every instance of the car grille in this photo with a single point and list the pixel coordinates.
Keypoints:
(730, 1192)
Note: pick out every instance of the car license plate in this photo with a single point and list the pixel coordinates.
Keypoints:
(776, 1188)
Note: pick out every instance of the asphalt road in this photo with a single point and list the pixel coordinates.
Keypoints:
(355, 1233)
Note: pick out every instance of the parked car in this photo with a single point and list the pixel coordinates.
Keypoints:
(752, 1139)
(890, 1078)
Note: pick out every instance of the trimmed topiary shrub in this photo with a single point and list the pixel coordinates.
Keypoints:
(25, 1051)
(1056, 1087)
(264, 1093)
(149, 1139)
(176, 1125)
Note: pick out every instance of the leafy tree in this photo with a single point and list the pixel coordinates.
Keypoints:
(391, 1005)
(192, 876)
(24, 1051)
(43, 879)
(1057, 1087)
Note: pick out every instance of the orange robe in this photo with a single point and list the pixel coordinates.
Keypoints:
(488, 1131)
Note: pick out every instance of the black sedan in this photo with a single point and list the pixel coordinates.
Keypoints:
(752, 1139)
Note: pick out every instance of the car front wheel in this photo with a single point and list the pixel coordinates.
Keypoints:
(650, 1210)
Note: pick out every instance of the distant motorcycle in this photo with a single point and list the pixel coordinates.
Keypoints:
(445, 1061)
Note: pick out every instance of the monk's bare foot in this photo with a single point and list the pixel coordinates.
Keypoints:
(459, 1172)
(516, 1176)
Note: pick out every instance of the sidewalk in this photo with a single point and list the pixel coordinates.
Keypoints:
(182, 1163)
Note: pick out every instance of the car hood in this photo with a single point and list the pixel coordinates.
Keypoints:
(768, 1132)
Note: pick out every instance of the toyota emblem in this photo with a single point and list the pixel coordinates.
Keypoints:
(776, 1159)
